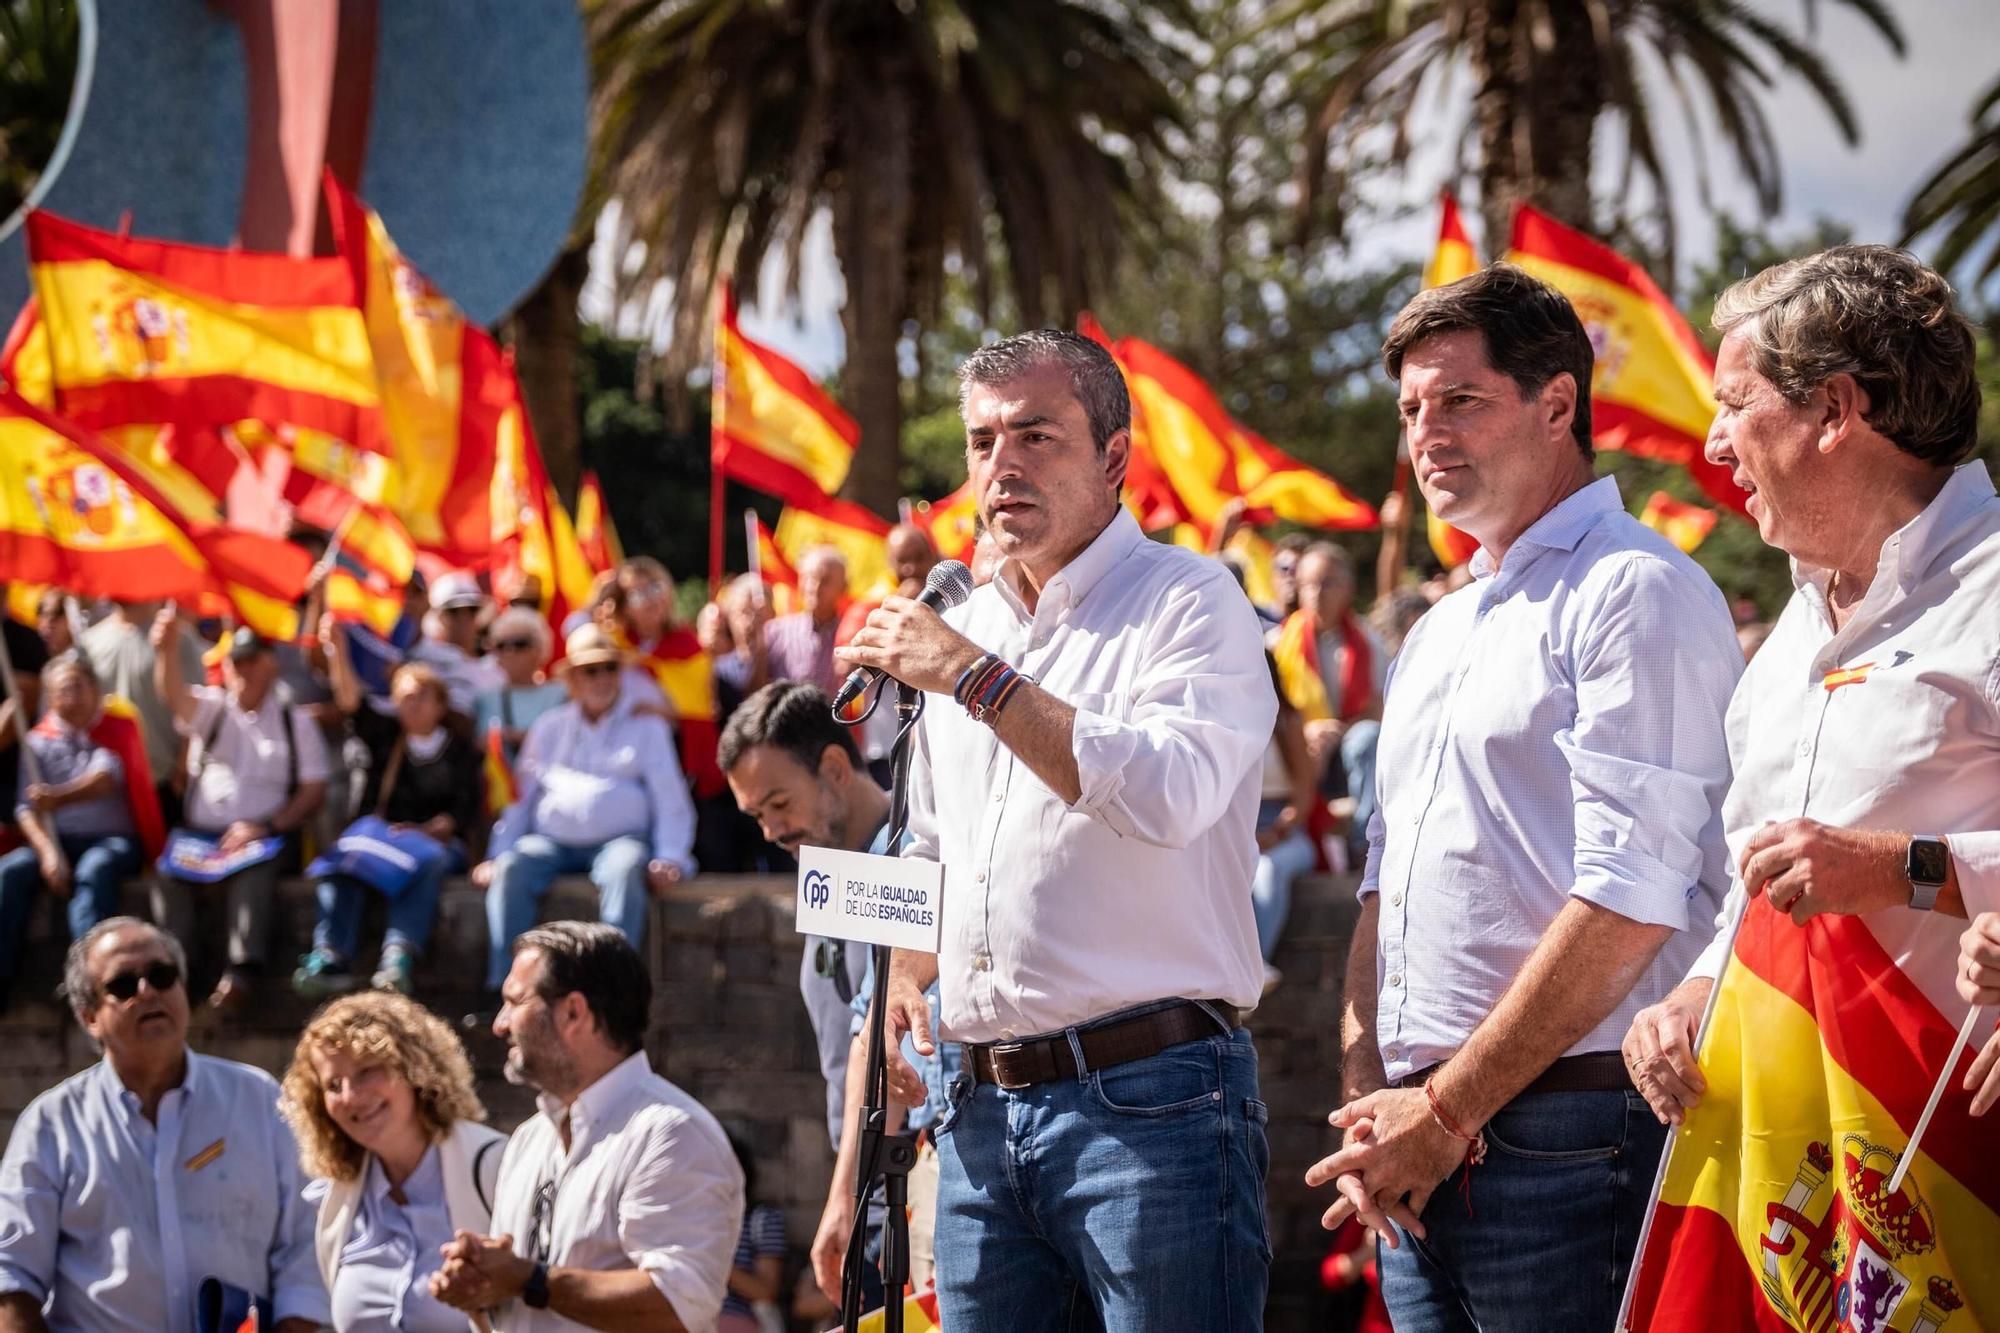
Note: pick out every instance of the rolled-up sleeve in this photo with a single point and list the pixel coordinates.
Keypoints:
(1647, 754)
(680, 1215)
(1202, 709)
(1976, 858)
(30, 1206)
(673, 808)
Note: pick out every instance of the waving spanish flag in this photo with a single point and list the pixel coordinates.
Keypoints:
(861, 538)
(499, 773)
(771, 426)
(1685, 525)
(78, 514)
(595, 532)
(1454, 258)
(1653, 390)
(951, 523)
(1774, 1210)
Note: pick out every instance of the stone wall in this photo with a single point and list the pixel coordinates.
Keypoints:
(728, 1027)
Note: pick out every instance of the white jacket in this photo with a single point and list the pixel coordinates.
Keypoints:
(468, 1157)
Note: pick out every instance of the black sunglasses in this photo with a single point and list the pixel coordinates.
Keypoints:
(512, 645)
(598, 669)
(541, 1221)
(161, 977)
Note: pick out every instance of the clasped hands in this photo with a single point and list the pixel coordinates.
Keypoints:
(480, 1272)
(1395, 1156)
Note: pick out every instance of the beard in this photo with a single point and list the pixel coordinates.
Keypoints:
(536, 1059)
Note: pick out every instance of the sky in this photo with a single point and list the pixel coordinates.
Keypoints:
(1913, 114)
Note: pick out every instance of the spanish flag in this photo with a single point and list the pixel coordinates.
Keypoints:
(1454, 258)
(771, 426)
(854, 531)
(595, 532)
(687, 677)
(780, 580)
(1685, 525)
(1653, 390)
(951, 523)
(78, 514)
(500, 789)
(1774, 1210)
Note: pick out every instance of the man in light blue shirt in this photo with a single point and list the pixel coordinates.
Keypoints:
(128, 1185)
(600, 791)
(1546, 857)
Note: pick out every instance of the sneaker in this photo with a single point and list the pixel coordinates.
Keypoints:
(393, 972)
(322, 973)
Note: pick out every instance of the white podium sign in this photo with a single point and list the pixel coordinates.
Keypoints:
(874, 899)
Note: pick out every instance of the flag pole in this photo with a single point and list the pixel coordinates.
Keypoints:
(1667, 1157)
(715, 522)
(756, 552)
(1937, 1095)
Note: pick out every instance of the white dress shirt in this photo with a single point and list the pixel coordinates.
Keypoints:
(1914, 746)
(583, 783)
(1553, 730)
(1057, 913)
(649, 1182)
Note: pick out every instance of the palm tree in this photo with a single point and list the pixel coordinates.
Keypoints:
(1963, 195)
(1015, 140)
(38, 54)
(1544, 73)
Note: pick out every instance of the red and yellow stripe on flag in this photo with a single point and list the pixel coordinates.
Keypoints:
(781, 581)
(1774, 1210)
(1685, 525)
(1296, 651)
(951, 523)
(920, 1315)
(771, 426)
(1454, 258)
(595, 533)
(1653, 390)
(78, 514)
(859, 536)
(687, 677)
(500, 789)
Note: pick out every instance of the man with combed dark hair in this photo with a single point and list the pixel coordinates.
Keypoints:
(1865, 736)
(1087, 773)
(128, 1185)
(1545, 857)
(618, 1205)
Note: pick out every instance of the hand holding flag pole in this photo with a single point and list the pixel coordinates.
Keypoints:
(1937, 1095)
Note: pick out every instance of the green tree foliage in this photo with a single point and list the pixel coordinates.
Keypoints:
(38, 54)
(1961, 200)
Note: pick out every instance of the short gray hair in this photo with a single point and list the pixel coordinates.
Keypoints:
(1093, 376)
(1880, 315)
(79, 987)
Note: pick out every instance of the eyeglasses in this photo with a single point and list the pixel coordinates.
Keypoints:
(461, 611)
(512, 645)
(598, 669)
(541, 1221)
(161, 977)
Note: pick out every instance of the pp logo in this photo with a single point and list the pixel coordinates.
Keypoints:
(817, 888)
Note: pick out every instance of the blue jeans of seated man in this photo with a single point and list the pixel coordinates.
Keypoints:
(1357, 759)
(411, 912)
(1271, 886)
(97, 867)
(521, 879)
(1128, 1199)
(1554, 1219)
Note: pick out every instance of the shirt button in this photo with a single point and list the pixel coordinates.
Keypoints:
(1396, 900)
(999, 796)
(1006, 1034)
(1390, 1053)
(1395, 978)
(980, 962)
(979, 878)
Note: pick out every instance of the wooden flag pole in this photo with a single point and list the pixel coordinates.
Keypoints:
(1937, 1095)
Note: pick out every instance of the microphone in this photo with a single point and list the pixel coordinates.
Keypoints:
(949, 584)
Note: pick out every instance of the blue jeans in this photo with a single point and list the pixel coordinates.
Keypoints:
(1271, 887)
(521, 879)
(97, 867)
(1357, 760)
(1548, 1239)
(411, 912)
(1129, 1199)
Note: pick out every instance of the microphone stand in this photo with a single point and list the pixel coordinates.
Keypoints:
(882, 1155)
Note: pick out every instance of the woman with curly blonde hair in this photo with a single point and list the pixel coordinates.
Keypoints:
(380, 1096)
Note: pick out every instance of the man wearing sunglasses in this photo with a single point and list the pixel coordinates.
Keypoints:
(601, 792)
(127, 1185)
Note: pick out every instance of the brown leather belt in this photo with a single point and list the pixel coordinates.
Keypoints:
(1599, 1071)
(1022, 1064)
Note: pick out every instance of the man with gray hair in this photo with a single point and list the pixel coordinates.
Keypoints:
(1087, 773)
(1865, 737)
(129, 1186)
(800, 646)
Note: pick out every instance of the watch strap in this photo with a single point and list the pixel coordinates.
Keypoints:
(535, 1291)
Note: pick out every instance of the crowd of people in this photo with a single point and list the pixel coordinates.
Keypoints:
(1544, 765)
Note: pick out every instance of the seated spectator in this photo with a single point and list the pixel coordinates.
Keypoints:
(1395, 616)
(513, 587)
(743, 668)
(520, 643)
(380, 1095)
(682, 672)
(28, 656)
(619, 1203)
(90, 817)
(120, 650)
(374, 656)
(423, 778)
(450, 644)
(52, 622)
(600, 791)
(757, 1272)
(1332, 669)
(800, 646)
(113, 1212)
(257, 771)
(1284, 851)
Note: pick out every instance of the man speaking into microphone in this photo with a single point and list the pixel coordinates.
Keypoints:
(1086, 770)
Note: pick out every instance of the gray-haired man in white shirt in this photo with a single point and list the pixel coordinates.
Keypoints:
(1087, 772)
(620, 1203)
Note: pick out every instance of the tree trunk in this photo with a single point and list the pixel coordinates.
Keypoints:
(871, 229)
(547, 335)
(1496, 100)
(1539, 89)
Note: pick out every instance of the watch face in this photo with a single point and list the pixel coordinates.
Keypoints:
(1928, 861)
